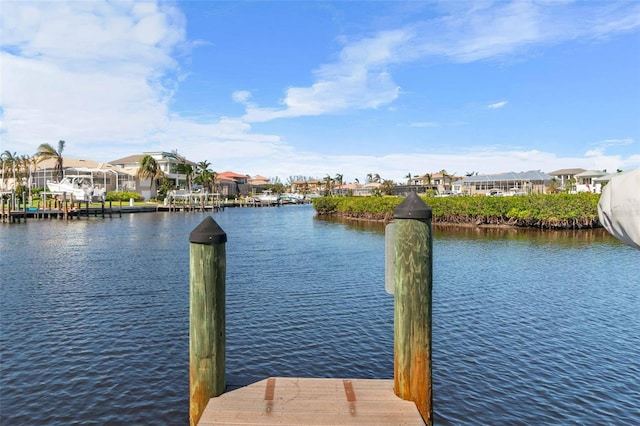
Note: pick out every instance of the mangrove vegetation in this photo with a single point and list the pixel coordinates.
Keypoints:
(544, 211)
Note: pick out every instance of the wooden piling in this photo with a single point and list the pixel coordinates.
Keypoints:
(24, 205)
(412, 304)
(207, 336)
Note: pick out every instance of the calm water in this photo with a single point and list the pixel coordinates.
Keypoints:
(529, 327)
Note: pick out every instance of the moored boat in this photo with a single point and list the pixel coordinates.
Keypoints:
(79, 187)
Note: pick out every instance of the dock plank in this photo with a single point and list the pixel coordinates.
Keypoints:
(312, 401)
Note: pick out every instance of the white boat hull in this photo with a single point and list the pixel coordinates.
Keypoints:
(78, 188)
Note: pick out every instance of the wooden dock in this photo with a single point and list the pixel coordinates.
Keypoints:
(13, 216)
(311, 401)
(407, 399)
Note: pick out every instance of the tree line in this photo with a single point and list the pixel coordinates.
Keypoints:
(22, 167)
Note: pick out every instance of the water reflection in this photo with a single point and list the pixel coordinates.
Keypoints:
(568, 238)
(521, 318)
(353, 224)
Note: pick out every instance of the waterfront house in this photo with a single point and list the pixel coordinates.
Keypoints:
(257, 184)
(258, 180)
(368, 189)
(588, 181)
(307, 186)
(168, 163)
(429, 181)
(566, 178)
(232, 184)
(434, 181)
(105, 176)
(439, 181)
(531, 182)
(348, 189)
(603, 180)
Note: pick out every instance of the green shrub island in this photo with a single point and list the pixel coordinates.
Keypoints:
(545, 211)
(123, 196)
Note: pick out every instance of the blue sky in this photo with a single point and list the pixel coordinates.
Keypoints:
(293, 88)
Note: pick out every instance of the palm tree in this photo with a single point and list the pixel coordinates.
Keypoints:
(149, 169)
(187, 170)
(205, 176)
(25, 170)
(46, 151)
(451, 177)
(554, 186)
(386, 186)
(10, 161)
(408, 176)
(203, 165)
(328, 181)
(339, 179)
(427, 180)
(445, 176)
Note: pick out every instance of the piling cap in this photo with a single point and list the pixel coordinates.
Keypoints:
(413, 207)
(208, 232)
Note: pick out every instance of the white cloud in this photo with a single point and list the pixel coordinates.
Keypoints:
(98, 72)
(358, 80)
(494, 30)
(241, 96)
(87, 71)
(497, 105)
(608, 161)
(615, 142)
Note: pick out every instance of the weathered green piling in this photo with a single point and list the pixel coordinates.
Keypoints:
(207, 275)
(412, 304)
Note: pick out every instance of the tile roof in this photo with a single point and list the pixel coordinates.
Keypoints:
(230, 175)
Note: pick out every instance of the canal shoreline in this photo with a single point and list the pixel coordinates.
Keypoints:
(382, 219)
(481, 223)
(79, 211)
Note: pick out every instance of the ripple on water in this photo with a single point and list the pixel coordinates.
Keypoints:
(527, 328)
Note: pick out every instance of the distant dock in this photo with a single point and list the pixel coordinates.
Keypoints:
(78, 210)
